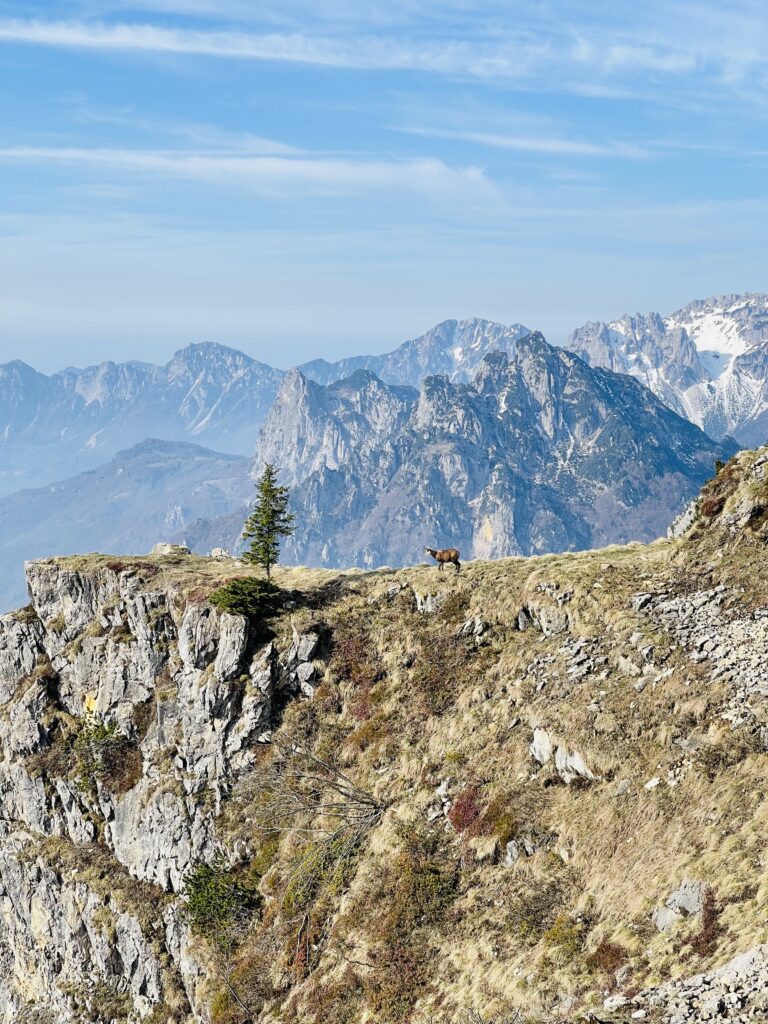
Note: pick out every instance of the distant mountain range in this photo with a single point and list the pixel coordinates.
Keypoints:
(708, 361)
(54, 426)
(455, 348)
(380, 449)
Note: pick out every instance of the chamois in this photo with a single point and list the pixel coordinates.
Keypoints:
(445, 555)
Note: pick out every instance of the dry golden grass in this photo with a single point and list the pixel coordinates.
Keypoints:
(522, 936)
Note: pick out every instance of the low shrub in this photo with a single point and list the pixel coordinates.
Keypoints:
(26, 614)
(416, 892)
(566, 935)
(728, 750)
(337, 1000)
(704, 942)
(719, 489)
(355, 657)
(401, 974)
(104, 753)
(264, 857)
(255, 598)
(90, 752)
(442, 665)
(465, 809)
(534, 909)
(455, 606)
(498, 819)
(58, 758)
(371, 731)
(217, 903)
(607, 957)
(425, 883)
(249, 978)
(142, 717)
(321, 868)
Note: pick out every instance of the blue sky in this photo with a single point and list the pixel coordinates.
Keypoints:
(322, 177)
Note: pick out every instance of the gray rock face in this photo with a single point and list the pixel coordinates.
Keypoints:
(708, 361)
(733, 642)
(312, 427)
(685, 901)
(539, 453)
(569, 764)
(63, 942)
(737, 993)
(91, 870)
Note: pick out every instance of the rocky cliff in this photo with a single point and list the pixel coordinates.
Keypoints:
(536, 787)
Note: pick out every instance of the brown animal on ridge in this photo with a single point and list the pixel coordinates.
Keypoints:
(445, 555)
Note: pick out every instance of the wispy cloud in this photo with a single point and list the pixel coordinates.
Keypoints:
(365, 53)
(194, 133)
(549, 145)
(430, 179)
(611, 53)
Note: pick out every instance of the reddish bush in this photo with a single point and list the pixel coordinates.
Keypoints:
(608, 957)
(466, 809)
(361, 709)
(355, 657)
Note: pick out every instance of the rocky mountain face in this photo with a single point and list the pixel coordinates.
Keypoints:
(539, 453)
(52, 427)
(454, 347)
(708, 361)
(152, 492)
(310, 426)
(392, 796)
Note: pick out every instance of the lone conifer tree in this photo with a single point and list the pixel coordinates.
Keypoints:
(269, 521)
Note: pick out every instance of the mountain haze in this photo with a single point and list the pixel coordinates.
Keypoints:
(149, 493)
(473, 433)
(54, 426)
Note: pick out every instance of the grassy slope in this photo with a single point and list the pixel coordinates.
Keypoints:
(425, 922)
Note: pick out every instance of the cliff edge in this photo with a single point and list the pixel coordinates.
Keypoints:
(533, 791)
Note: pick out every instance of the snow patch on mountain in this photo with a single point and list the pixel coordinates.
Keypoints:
(708, 361)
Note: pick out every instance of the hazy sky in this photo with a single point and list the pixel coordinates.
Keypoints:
(321, 177)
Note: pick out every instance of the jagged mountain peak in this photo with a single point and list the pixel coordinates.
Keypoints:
(453, 347)
(708, 361)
